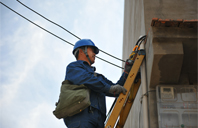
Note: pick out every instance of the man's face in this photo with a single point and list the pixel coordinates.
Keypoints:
(92, 55)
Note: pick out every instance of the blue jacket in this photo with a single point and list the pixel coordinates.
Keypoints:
(80, 72)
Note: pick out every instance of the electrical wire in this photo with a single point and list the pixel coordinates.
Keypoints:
(140, 113)
(141, 39)
(48, 19)
(53, 33)
(65, 29)
(145, 94)
(110, 110)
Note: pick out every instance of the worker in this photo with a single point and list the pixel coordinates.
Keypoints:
(81, 72)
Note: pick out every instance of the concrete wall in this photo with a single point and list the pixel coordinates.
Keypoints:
(134, 27)
(169, 9)
(171, 53)
(171, 59)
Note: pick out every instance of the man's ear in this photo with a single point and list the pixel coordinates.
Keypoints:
(81, 51)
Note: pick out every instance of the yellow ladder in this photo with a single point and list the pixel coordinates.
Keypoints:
(124, 102)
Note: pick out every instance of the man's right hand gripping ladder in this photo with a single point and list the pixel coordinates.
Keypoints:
(123, 103)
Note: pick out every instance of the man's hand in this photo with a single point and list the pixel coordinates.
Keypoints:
(128, 65)
(117, 89)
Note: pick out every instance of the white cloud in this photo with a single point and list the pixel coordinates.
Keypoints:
(24, 56)
(40, 117)
(30, 50)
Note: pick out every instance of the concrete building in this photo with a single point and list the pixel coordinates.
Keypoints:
(171, 55)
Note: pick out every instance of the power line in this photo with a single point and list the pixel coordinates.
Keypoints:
(48, 19)
(53, 33)
(65, 29)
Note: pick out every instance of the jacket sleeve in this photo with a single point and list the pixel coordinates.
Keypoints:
(121, 82)
(77, 74)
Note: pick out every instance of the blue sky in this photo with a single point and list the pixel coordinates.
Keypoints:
(33, 62)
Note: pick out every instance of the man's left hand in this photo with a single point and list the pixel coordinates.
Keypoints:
(128, 65)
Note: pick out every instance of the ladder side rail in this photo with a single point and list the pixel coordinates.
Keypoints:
(122, 98)
(126, 109)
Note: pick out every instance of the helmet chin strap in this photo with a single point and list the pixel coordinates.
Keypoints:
(87, 55)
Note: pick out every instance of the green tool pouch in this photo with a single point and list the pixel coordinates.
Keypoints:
(72, 100)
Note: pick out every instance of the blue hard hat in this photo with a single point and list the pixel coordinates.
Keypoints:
(85, 42)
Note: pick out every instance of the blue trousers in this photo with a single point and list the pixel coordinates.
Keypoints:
(86, 119)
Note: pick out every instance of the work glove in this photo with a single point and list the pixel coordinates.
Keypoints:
(128, 66)
(117, 89)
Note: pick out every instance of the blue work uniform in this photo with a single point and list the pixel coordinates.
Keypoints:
(80, 72)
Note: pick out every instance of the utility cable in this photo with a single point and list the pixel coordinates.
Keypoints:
(140, 114)
(110, 110)
(48, 19)
(53, 33)
(145, 94)
(143, 37)
(139, 42)
(64, 29)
